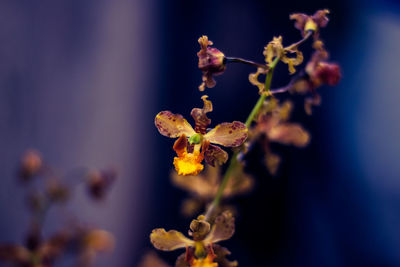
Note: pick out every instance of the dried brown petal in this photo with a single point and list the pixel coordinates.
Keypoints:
(292, 62)
(253, 78)
(170, 240)
(222, 229)
(228, 134)
(180, 145)
(172, 125)
(273, 49)
(215, 155)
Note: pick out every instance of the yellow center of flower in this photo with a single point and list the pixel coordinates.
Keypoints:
(205, 262)
(189, 163)
(310, 25)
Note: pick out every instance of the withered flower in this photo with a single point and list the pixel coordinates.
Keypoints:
(192, 151)
(318, 72)
(199, 250)
(275, 50)
(212, 62)
(306, 23)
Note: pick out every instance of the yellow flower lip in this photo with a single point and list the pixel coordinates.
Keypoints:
(189, 163)
(205, 262)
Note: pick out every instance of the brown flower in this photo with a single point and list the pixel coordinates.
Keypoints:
(306, 23)
(211, 62)
(192, 151)
(200, 248)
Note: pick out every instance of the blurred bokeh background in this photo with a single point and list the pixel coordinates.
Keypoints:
(81, 81)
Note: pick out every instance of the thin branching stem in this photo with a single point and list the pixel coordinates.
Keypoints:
(245, 61)
(233, 164)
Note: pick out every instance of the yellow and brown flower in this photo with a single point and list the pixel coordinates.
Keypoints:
(194, 145)
(199, 249)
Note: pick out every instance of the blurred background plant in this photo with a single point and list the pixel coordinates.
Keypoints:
(45, 188)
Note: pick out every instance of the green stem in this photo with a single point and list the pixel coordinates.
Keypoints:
(234, 162)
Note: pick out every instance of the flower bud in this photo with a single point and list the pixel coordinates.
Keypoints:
(211, 62)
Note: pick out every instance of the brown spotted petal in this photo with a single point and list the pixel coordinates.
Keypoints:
(222, 229)
(170, 240)
(200, 115)
(215, 155)
(289, 134)
(228, 134)
(172, 125)
(180, 145)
